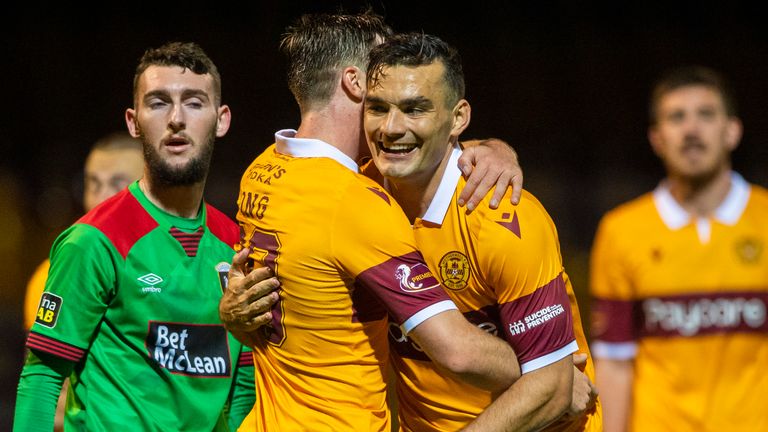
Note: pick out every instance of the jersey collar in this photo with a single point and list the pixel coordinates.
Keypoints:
(728, 213)
(164, 218)
(288, 144)
(438, 207)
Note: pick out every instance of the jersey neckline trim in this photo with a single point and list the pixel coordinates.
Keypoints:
(287, 143)
(164, 218)
(728, 213)
(438, 207)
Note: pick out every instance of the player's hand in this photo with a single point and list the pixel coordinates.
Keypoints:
(490, 163)
(246, 303)
(584, 391)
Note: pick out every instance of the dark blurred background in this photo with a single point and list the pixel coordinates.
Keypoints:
(566, 83)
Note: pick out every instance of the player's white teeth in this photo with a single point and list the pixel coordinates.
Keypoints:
(396, 147)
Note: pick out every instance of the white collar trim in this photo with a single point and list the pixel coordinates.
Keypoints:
(438, 207)
(728, 213)
(287, 143)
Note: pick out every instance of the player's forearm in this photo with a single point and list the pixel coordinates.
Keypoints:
(537, 399)
(491, 364)
(614, 379)
(471, 354)
(37, 396)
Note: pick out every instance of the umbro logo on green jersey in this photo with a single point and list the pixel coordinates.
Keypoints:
(150, 279)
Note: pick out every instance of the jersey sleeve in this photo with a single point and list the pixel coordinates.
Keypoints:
(613, 306)
(38, 392)
(374, 243)
(518, 255)
(80, 285)
(243, 393)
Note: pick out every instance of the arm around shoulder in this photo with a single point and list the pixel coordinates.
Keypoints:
(537, 399)
(485, 164)
(475, 356)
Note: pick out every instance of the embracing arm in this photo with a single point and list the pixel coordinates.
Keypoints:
(38, 392)
(486, 163)
(614, 379)
(538, 398)
(584, 390)
(455, 345)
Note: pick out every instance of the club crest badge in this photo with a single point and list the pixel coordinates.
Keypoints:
(454, 270)
(749, 250)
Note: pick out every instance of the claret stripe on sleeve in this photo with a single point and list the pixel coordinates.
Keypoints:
(54, 347)
(539, 323)
(245, 359)
(404, 285)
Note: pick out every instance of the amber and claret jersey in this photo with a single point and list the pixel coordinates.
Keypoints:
(504, 271)
(686, 299)
(344, 253)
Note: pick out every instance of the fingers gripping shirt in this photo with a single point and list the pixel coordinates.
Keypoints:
(345, 256)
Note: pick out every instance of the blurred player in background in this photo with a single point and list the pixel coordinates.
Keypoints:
(679, 276)
(115, 161)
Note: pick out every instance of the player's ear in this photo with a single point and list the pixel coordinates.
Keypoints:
(461, 113)
(353, 83)
(733, 133)
(132, 122)
(657, 143)
(223, 121)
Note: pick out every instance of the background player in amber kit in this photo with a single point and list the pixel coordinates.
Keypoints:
(132, 295)
(680, 276)
(501, 267)
(114, 161)
(342, 248)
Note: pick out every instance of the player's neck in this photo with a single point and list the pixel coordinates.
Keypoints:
(338, 124)
(415, 192)
(701, 198)
(182, 201)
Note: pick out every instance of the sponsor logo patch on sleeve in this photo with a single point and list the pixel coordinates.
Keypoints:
(48, 309)
(415, 278)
